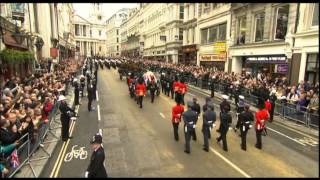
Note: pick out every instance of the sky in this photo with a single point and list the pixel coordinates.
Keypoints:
(107, 8)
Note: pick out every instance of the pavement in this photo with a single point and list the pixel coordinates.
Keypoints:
(140, 143)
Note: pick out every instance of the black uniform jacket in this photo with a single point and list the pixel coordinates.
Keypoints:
(96, 168)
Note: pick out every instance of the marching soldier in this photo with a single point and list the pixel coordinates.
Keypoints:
(176, 87)
(163, 82)
(224, 106)
(96, 168)
(182, 90)
(82, 84)
(205, 107)
(172, 82)
(153, 87)
(209, 118)
(240, 109)
(189, 118)
(225, 121)
(176, 119)
(167, 88)
(140, 91)
(196, 108)
(66, 114)
(245, 120)
(261, 117)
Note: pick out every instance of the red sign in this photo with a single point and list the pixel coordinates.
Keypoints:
(53, 52)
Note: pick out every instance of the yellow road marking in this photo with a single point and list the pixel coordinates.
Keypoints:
(64, 152)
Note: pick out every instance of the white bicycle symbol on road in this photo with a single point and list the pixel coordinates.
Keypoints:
(77, 154)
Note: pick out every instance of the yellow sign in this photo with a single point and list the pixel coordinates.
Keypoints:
(219, 47)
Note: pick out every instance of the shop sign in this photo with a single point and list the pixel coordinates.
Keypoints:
(267, 59)
(282, 68)
(219, 47)
(213, 57)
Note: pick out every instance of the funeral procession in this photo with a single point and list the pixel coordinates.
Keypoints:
(159, 90)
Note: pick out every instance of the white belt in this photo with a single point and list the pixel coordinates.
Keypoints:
(247, 122)
(209, 121)
(190, 122)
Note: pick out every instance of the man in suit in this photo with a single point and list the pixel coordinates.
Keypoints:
(96, 168)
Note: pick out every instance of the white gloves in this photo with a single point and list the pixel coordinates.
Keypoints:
(86, 174)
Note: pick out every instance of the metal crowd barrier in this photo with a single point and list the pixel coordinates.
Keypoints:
(27, 148)
(283, 110)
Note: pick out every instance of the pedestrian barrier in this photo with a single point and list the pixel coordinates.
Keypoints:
(285, 111)
(28, 148)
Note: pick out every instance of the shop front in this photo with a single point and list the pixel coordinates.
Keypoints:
(189, 55)
(275, 65)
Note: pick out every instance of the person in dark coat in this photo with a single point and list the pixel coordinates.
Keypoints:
(196, 108)
(273, 99)
(209, 118)
(90, 96)
(245, 118)
(189, 119)
(76, 92)
(66, 114)
(212, 81)
(224, 106)
(226, 120)
(96, 168)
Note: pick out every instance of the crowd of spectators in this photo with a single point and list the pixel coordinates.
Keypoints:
(304, 96)
(26, 103)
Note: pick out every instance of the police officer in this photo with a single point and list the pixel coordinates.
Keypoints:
(76, 92)
(167, 88)
(225, 121)
(176, 89)
(209, 118)
(163, 82)
(189, 118)
(211, 85)
(272, 99)
(94, 88)
(66, 114)
(90, 96)
(176, 119)
(82, 84)
(196, 108)
(245, 120)
(96, 168)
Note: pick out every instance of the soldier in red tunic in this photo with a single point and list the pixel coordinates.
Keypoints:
(261, 117)
(182, 90)
(140, 91)
(177, 111)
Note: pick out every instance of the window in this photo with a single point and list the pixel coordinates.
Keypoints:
(206, 8)
(204, 36)
(213, 31)
(99, 17)
(259, 27)
(315, 18)
(312, 68)
(90, 33)
(84, 31)
(282, 22)
(117, 40)
(99, 48)
(180, 34)
(117, 48)
(242, 23)
(181, 11)
(117, 31)
(77, 30)
(222, 32)
(99, 33)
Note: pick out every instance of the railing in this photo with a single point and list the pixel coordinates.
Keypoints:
(28, 147)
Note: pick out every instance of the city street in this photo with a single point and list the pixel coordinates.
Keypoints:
(139, 142)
